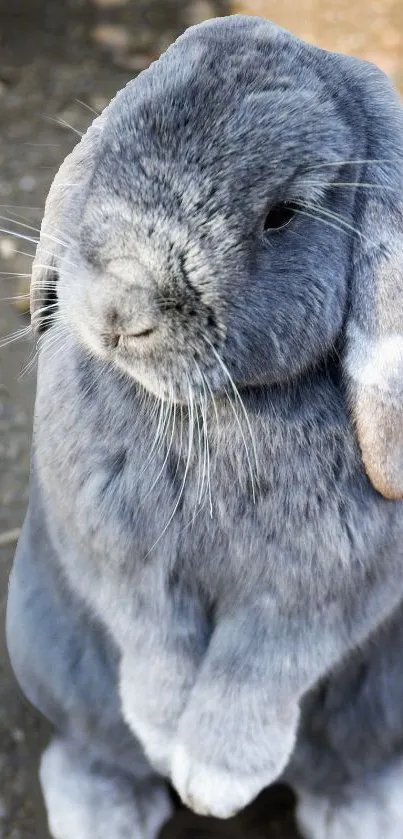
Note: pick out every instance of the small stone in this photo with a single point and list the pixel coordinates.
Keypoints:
(7, 247)
(6, 188)
(199, 11)
(109, 4)
(18, 735)
(134, 63)
(27, 183)
(112, 37)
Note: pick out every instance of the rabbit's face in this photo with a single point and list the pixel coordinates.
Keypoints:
(214, 238)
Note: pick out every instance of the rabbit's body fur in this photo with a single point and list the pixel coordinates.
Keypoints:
(205, 569)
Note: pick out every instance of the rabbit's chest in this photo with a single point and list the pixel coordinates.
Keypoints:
(231, 502)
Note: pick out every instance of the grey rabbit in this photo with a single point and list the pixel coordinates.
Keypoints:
(208, 587)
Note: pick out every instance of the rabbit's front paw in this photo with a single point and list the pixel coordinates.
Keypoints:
(220, 768)
(212, 791)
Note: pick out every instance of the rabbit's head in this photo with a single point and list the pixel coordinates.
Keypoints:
(236, 213)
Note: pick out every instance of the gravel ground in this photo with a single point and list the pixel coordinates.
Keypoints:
(54, 53)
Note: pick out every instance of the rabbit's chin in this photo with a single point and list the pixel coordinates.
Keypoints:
(182, 384)
(180, 379)
(167, 382)
(169, 387)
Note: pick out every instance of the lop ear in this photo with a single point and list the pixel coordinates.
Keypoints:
(374, 329)
(72, 176)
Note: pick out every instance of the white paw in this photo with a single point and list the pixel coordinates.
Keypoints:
(84, 804)
(213, 792)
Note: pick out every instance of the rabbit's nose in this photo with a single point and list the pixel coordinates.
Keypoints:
(139, 324)
(113, 338)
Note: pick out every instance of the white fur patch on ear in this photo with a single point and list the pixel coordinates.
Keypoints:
(370, 810)
(375, 366)
(376, 362)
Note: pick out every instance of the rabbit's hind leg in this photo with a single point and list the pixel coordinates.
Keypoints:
(347, 767)
(96, 781)
(372, 809)
(85, 800)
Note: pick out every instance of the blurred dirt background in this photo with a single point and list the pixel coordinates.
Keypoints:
(61, 60)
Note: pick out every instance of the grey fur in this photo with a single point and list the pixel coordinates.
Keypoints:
(233, 565)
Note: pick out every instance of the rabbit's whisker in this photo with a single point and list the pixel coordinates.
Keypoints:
(48, 340)
(199, 438)
(326, 212)
(207, 384)
(64, 124)
(47, 250)
(16, 336)
(25, 253)
(188, 459)
(194, 417)
(202, 454)
(92, 110)
(351, 184)
(238, 400)
(46, 284)
(58, 240)
(21, 206)
(19, 235)
(21, 224)
(100, 374)
(16, 215)
(170, 414)
(45, 267)
(323, 215)
(148, 399)
(160, 428)
(10, 274)
(15, 297)
(203, 409)
(204, 406)
(205, 453)
(34, 229)
(29, 366)
(317, 217)
(42, 309)
(354, 162)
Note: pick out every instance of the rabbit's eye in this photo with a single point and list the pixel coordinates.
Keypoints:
(279, 216)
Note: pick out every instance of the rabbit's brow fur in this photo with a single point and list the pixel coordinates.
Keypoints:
(211, 561)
